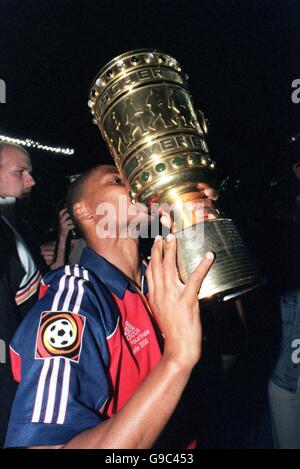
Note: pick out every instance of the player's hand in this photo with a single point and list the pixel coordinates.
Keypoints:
(175, 305)
(200, 204)
(206, 199)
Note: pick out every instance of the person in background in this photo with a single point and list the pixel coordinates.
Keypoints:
(284, 385)
(68, 247)
(19, 276)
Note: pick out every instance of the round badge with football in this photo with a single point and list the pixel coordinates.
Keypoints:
(60, 335)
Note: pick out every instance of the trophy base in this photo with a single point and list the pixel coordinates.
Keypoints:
(233, 273)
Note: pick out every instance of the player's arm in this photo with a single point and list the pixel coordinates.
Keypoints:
(176, 307)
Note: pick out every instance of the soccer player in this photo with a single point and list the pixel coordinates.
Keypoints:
(103, 358)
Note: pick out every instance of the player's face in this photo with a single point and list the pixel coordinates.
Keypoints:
(15, 174)
(107, 188)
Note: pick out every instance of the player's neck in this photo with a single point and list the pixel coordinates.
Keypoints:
(123, 253)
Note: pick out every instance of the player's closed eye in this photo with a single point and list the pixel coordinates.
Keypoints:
(117, 180)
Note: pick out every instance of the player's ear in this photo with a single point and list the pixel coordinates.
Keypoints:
(82, 211)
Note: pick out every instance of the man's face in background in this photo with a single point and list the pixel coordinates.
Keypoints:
(15, 173)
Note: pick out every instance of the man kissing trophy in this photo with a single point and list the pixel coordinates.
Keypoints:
(141, 104)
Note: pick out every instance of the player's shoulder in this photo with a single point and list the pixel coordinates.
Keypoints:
(71, 287)
(66, 272)
(76, 288)
(68, 278)
(69, 295)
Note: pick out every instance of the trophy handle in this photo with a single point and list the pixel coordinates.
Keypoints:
(202, 121)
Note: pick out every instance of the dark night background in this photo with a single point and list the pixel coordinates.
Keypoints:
(241, 57)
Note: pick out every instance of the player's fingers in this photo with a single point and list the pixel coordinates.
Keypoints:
(169, 261)
(166, 220)
(211, 193)
(156, 263)
(195, 281)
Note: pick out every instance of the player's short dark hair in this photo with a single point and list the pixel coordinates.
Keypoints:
(76, 193)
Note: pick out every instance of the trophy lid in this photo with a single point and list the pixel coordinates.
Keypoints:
(131, 60)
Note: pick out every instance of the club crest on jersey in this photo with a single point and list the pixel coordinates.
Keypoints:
(60, 335)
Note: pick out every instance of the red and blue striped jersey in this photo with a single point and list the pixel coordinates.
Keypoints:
(79, 353)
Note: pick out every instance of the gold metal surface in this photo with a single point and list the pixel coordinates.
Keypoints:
(141, 104)
(234, 271)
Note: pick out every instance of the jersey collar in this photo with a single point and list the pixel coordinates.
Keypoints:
(110, 275)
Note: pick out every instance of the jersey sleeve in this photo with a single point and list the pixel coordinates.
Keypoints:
(59, 355)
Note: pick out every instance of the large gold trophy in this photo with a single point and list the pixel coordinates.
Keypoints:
(142, 106)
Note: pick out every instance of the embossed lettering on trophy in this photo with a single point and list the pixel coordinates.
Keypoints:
(142, 106)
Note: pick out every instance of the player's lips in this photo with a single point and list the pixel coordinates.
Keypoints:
(26, 193)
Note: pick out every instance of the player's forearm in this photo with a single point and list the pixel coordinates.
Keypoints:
(143, 417)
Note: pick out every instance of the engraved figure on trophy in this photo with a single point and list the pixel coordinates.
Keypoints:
(107, 140)
(135, 120)
(164, 116)
(119, 132)
(185, 116)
